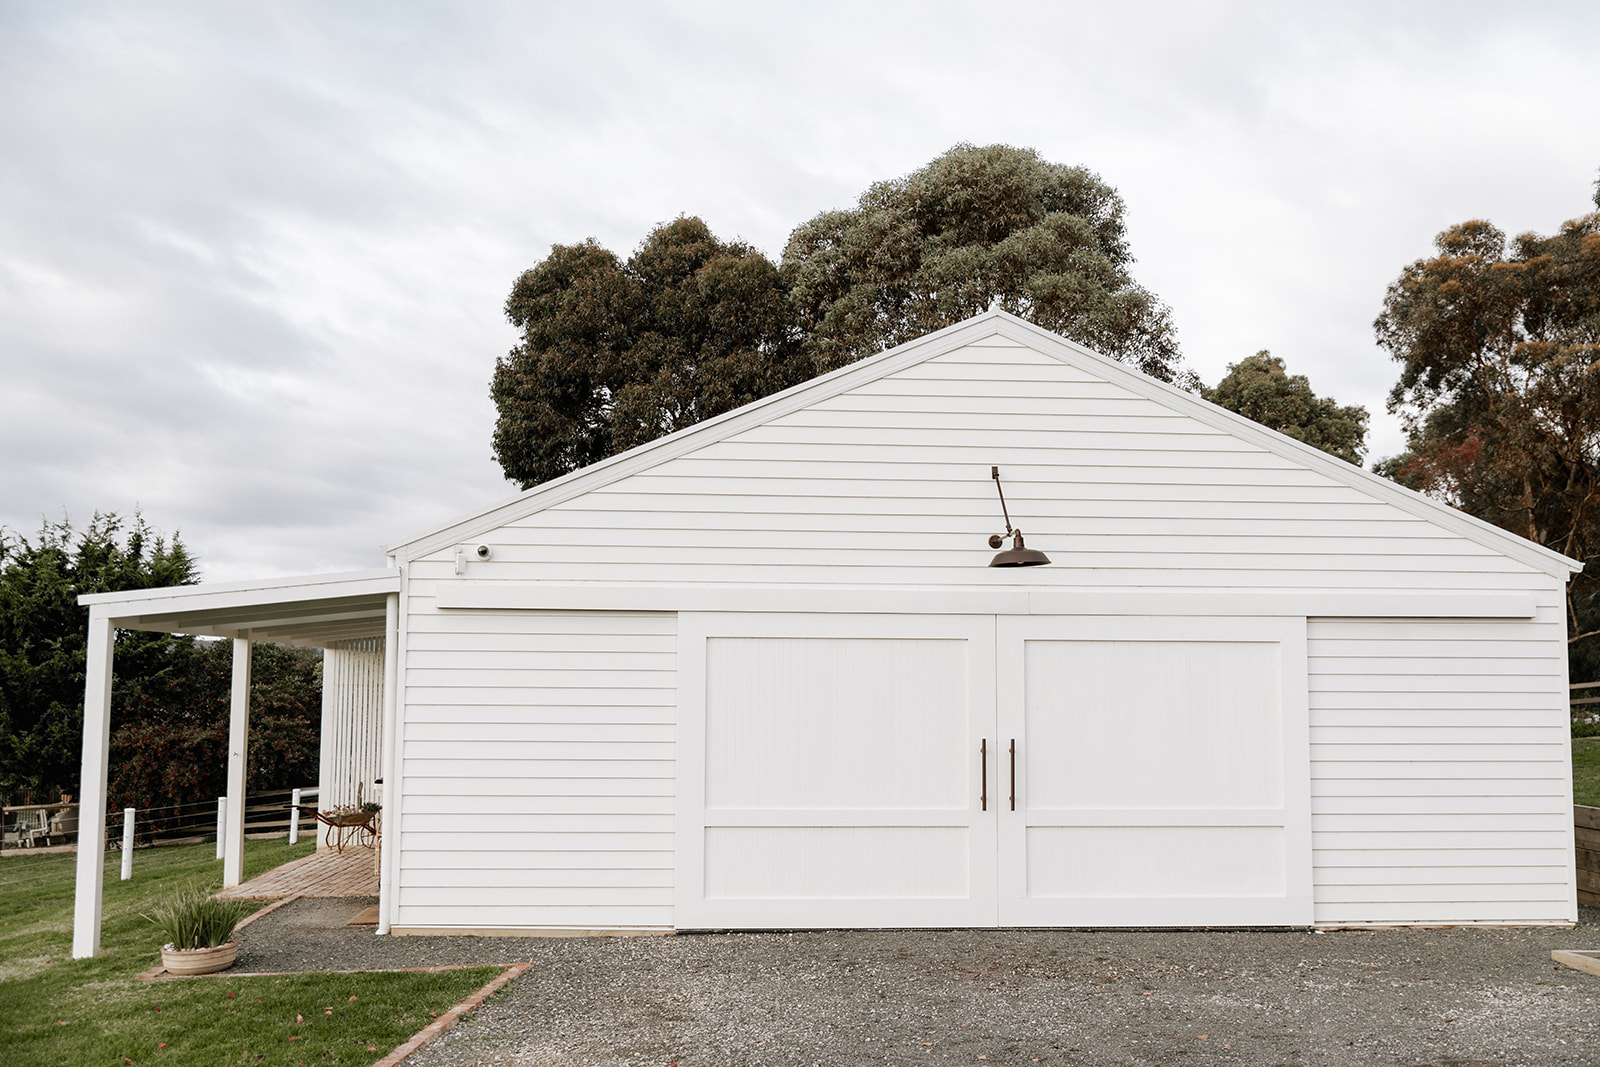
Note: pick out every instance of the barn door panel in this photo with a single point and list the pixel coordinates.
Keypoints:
(1161, 772)
(829, 771)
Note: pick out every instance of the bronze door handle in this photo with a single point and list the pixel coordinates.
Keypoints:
(1013, 774)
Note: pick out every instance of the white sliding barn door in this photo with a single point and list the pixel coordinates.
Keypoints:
(829, 771)
(1161, 772)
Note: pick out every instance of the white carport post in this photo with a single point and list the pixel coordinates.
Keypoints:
(92, 786)
(389, 857)
(238, 747)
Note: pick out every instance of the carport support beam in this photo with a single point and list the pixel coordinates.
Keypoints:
(92, 787)
(238, 747)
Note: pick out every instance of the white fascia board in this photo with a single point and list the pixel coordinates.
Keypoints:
(1474, 529)
(701, 434)
(190, 599)
(1309, 603)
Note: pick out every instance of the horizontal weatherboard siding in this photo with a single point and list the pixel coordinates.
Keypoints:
(539, 758)
(889, 484)
(540, 766)
(1439, 760)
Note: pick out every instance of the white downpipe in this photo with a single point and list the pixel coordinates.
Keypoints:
(294, 817)
(88, 891)
(238, 750)
(389, 866)
(127, 844)
(222, 827)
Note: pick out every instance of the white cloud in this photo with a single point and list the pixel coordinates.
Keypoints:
(252, 260)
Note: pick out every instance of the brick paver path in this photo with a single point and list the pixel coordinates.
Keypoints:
(324, 873)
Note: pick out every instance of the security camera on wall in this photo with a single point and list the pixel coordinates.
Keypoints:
(483, 551)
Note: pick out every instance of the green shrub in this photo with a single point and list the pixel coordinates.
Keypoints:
(192, 918)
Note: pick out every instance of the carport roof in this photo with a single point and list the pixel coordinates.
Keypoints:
(315, 609)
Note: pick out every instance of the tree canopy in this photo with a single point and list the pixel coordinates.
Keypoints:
(43, 633)
(169, 693)
(1499, 389)
(974, 226)
(1259, 388)
(169, 742)
(616, 354)
(613, 354)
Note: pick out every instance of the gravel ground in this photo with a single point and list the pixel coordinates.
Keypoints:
(1457, 997)
(312, 934)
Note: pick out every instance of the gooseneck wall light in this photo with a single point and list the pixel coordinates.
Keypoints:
(1018, 555)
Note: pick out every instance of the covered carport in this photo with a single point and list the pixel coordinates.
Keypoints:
(356, 610)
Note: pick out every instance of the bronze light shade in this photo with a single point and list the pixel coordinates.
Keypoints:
(1018, 555)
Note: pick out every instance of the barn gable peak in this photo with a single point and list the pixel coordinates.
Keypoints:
(989, 328)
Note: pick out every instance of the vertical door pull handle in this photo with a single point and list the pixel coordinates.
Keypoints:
(983, 772)
(1013, 774)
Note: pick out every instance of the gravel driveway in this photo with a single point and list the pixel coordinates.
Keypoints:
(1459, 997)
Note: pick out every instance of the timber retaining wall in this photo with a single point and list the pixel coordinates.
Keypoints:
(1586, 827)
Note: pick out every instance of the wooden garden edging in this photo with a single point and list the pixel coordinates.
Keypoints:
(1586, 827)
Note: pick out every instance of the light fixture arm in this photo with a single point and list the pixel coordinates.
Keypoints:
(1019, 554)
(994, 472)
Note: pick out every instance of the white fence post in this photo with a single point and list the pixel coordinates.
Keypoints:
(222, 825)
(127, 843)
(294, 816)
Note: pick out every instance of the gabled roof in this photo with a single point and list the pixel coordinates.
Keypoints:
(994, 322)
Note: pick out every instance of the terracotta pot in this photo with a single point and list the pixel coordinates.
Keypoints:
(199, 960)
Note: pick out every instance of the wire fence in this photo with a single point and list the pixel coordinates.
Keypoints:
(32, 827)
(36, 831)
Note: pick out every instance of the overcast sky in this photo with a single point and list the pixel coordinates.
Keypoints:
(253, 258)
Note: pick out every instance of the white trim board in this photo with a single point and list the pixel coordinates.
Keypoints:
(569, 596)
(217, 595)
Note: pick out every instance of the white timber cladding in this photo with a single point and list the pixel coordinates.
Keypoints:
(352, 724)
(889, 483)
(1440, 757)
(538, 769)
(538, 751)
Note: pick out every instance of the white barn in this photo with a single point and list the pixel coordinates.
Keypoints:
(760, 674)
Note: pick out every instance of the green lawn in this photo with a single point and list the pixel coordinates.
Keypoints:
(57, 1010)
(1586, 770)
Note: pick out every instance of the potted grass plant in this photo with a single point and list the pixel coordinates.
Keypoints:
(199, 930)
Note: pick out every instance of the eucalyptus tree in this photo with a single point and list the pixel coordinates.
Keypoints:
(976, 226)
(1499, 389)
(1259, 388)
(615, 353)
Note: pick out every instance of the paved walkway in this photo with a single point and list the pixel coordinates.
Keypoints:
(324, 873)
